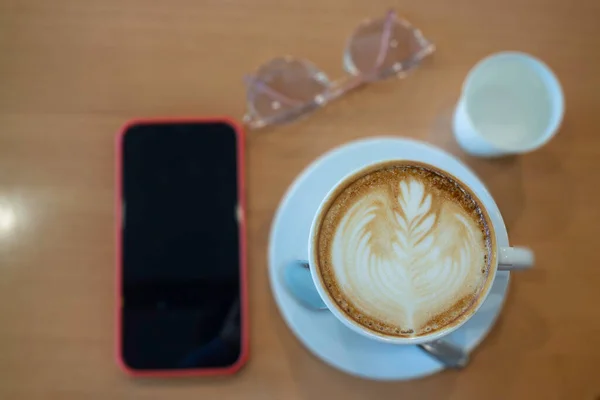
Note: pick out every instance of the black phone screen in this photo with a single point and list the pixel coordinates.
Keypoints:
(180, 254)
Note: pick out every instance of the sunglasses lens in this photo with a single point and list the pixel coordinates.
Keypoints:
(284, 89)
(385, 45)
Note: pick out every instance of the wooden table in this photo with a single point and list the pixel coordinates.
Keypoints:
(72, 72)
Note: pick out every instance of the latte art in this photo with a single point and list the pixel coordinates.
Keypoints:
(404, 251)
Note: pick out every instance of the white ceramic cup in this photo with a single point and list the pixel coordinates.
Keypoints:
(506, 258)
(510, 103)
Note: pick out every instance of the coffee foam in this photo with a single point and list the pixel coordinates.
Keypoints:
(404, 250)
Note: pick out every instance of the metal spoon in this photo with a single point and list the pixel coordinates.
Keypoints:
(299, 283)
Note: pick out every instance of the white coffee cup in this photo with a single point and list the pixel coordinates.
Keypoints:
(507, 258)
(511, 103)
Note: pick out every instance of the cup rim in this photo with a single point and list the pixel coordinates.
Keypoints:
(550, 81)
(341, 315)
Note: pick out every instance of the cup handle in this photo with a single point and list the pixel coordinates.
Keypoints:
(515, 258)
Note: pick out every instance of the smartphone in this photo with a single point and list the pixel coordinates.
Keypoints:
(181, 273)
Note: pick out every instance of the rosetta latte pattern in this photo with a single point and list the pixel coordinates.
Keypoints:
(405, 254)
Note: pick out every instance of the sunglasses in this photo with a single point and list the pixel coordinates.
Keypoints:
(287, 88)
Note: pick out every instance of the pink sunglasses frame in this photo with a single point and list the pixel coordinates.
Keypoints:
(341, 86)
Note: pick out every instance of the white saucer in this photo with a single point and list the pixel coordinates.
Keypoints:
(320, 331)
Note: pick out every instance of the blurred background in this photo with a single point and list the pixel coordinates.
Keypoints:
(73, 72)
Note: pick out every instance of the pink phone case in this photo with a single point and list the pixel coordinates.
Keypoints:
(242, 232)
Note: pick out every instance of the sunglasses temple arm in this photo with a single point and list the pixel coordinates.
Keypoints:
(341, 87)
(384, 44)
(254, 123)
(274, 94)
(259, 123)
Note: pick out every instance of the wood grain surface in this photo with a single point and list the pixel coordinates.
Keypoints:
(73, 71)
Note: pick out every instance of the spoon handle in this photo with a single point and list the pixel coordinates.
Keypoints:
(446, 353)
(299, 283)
